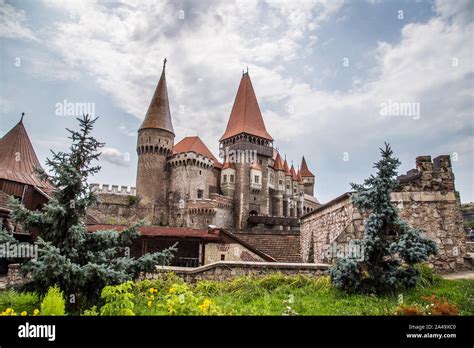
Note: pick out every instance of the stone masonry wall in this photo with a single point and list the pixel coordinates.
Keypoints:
(425, 198)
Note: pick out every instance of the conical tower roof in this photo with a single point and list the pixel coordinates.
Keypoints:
(278, 163)
(158, 115)
(286, 168)
(18, 158)
(293, 173)
(305, 172)
(246, 116)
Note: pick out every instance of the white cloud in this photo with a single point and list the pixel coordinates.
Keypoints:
(12, 24)
(114, 156)
(122, 45)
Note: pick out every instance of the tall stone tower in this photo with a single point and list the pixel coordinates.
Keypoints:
(307, 178)
(154, 145)
(248, 148)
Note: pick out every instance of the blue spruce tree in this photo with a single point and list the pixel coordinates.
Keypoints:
(391, 247)
(81, 263)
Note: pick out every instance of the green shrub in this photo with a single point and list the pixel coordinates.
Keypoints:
(427, 277)
(20, 301)
(180, 300)
(53, 303)
(92, 312)
(118, 300)
(208, 287)
(162, 282)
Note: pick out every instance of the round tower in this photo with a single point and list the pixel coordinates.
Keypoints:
(154, 145)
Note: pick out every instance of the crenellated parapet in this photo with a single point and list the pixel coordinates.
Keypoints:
(113, 189)
(190, 159)
(429, 175)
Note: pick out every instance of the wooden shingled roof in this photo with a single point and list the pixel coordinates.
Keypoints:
(18, 158)
(158, 115)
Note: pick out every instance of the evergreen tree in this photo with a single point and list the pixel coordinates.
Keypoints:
(391, 248)
(81, 263)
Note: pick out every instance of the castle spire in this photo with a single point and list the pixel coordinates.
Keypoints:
(245, 116)
(305, 172)
(158, 115)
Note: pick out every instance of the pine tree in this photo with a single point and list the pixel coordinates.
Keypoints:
(391, 248)
(81, 263)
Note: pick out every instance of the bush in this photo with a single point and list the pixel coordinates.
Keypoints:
(53, 303)
(20, 301)
(427, 277)
(118, 300)
(440, 306)
(434, 306)
(413, 309)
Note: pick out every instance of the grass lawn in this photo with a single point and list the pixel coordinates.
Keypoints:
(309, 300)
(273, 294)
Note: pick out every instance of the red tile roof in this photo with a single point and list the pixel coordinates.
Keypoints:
(158, 114)
(216, 235)
(160, 231)
(298, 175)
(286, 168)
(227, 165)
(18, 158)
(293, 173)
(278, 165)
(246, 116)
(255, 165)
(305, 172)
(195, 144)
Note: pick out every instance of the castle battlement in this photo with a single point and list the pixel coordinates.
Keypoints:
(191, 158)
(429, 175)
(113, 189)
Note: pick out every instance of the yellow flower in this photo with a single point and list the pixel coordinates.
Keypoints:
(36, 312)
(24, 313)
(150, 303)
(172, 290)
(8, 310)
(152, 290)
(204, 307)
(152, 297)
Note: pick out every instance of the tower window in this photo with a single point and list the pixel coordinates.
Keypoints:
(231, 178)
(225, 178)
(222, 257)
(200, 193)
(256, 179)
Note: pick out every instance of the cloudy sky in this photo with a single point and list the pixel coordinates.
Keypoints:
(323, 72)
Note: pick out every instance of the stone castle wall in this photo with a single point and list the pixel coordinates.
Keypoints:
(425, 198)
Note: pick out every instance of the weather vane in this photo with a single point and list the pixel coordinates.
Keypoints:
(164, 63)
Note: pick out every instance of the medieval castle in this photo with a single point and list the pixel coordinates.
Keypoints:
(250, 206)
(184, 185)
